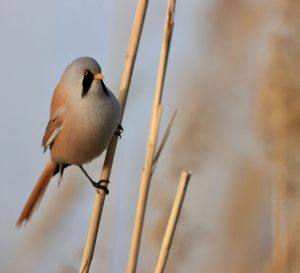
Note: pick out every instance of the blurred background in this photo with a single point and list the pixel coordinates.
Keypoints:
(233, 74)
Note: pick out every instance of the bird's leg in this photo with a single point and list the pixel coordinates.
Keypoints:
(97, 185)
(119, 131)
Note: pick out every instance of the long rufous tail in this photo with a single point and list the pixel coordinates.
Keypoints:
(37, 193)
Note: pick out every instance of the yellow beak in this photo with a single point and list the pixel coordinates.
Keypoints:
(98, 77)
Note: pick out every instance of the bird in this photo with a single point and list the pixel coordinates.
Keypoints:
(84, 115)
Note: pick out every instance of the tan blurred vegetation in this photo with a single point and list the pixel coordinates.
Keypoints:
(253, 51)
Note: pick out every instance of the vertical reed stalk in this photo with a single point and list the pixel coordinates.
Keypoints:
(152, 140)
(105, 174)
(170, 230)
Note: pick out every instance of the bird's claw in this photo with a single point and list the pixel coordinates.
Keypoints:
(98, 185)
(119, 131)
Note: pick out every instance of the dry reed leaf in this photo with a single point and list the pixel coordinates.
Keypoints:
(164, 140)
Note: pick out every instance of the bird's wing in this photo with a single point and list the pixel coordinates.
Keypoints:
(55, 125)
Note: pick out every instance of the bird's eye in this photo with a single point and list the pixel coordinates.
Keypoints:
(85, 73)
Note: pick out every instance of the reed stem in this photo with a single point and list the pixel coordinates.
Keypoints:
(170, 230)
(152, 140)
(106, 170)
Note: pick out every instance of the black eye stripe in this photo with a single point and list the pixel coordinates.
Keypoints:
(88, 78)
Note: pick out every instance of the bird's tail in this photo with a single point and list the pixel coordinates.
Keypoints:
(37, 192)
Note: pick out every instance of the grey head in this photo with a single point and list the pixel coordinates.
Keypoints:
(83, 72)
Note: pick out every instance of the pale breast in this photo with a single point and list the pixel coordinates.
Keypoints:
(87, 130)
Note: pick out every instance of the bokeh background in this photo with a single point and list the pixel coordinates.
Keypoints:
(233, 74)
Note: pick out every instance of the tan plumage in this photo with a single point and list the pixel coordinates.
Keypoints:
(37, 192)
(83, 117)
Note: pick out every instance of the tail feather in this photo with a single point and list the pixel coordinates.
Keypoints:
(37, 193)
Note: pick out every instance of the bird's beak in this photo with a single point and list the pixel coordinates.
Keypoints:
(98, 77)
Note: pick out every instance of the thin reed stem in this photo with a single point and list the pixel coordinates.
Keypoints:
(106, 170)
(152, 140)
(170, 230)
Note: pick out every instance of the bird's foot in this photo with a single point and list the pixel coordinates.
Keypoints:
(98, 185)
(119, 131)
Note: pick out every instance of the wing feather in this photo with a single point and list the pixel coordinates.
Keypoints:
(55, 125)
